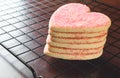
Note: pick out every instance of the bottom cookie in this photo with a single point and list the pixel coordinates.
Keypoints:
(69, 56)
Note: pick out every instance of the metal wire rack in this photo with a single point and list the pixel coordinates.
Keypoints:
(23, 31)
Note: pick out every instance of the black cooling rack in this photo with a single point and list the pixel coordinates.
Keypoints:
(23, 31)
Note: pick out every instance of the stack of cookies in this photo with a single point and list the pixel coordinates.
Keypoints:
(75, 33)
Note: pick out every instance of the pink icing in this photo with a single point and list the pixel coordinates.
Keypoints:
(77, 15)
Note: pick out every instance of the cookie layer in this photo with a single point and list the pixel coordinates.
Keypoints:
(76, 46)
(76, 34)
(69, 56)
(70, 50)
(76, 17)
(77, 40)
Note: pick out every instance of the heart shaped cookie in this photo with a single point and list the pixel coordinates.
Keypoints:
(75, 33)
(76, 17)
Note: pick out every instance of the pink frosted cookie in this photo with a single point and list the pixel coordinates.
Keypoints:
(75, 33)
(75, 17)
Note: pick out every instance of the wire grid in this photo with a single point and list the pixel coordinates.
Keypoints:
(23, 31)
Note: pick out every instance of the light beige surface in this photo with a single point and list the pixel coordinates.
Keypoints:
(10, 67)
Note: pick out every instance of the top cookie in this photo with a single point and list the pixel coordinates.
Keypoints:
(76, 17)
